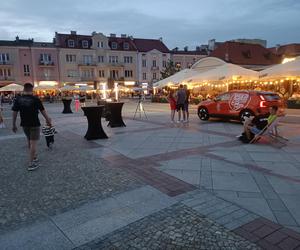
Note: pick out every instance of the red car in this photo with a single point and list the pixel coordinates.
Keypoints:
(238, 104)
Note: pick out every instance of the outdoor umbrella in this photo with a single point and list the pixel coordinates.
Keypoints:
(45, 88)
(12, 87)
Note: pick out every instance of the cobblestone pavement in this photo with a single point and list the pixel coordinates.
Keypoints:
(109, 189)
(176, 227)
(69, 176)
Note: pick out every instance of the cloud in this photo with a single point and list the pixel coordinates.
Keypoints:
(180, 23)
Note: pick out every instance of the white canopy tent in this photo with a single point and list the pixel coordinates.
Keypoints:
(68, 88)
(289, 69)
(201, 66)
(12, 87)
(225, 72)
(44, 87)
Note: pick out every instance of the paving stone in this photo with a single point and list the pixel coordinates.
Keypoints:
(176, 227)
(289, 243)
(285, 218)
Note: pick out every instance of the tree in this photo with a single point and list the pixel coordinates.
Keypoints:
(169, 70)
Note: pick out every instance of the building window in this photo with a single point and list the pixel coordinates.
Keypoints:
(101, 59)
(144, 76)
(4, 58)
(87, 59)
(114, 45)
(85, 44)
(114, 74)
(4, 73)
(178, 65)
(164, 63)
(113, 59)
(72, 73)
(144, 63)
(71, 43)
(128, 59)
(70, 58)
(100, 44)
(102, 73)
(154, 76)
(128, 73)
(45, 58)
(154, 63)
(87, 73)
(126, 46)
(26, 70)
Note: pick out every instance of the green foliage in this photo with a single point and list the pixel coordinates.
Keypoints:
(170, 69)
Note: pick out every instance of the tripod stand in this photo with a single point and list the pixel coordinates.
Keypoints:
(140, 109)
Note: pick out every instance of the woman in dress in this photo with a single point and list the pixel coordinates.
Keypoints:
(172, 101)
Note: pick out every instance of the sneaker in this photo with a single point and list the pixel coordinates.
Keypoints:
(50, 146)
(35, 160)
(33, 166)
(185, 121)
(178, 121)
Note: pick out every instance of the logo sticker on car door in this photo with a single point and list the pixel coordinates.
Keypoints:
(239, 101)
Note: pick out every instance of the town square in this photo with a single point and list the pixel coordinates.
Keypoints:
(143, 141)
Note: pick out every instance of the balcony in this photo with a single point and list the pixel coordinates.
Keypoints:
(115, 64)
(46, 64)
(154, 68)
(6, 63)
(47, 78)
(88, 78)
(87, 64)
(7, 78)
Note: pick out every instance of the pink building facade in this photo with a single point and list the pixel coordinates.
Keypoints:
(27, 61)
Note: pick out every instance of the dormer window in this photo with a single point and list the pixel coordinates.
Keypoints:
(85, 44)
(126, 46)
(71, 43)
(114, 45)
(100, 44)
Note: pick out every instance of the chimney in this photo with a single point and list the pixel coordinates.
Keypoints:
(198, 48)
(17, 38)
(161, 39)
(73, 32)
(112, 35)
(186, 48)
(94, 33)
(123, 36)
(277, 47)
(175, 49)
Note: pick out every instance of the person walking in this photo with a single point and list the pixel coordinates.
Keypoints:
(187, 102)
(29, 107)
(181, 97)
(172, 102)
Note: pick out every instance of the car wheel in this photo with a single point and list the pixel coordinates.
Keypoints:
(203, 114)
(244, 114)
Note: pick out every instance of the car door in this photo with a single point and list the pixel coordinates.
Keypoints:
(222, 104)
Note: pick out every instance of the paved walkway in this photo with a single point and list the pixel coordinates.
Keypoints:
(116, 193)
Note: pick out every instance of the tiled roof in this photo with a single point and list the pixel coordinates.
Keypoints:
(288, 50)
(18, 43)
(120, 41)
(145, 45)
(62, 40)
(245, 54)
(190, 52)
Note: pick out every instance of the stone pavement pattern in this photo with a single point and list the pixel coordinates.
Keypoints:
(176, 227)
(106, 182)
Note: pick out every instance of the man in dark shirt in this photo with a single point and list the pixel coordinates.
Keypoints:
(29, 107)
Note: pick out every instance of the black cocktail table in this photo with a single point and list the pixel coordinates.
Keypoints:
(67, 106)
(114, 111)
(95, 130)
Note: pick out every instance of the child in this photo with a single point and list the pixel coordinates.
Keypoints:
(49, 132)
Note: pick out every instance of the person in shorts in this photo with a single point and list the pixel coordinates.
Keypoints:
(29, 107)
(181, 97)
(186, 103)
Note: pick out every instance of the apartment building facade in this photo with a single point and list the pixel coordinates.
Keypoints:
(96, 59)
(184, 59)
(27, 61)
